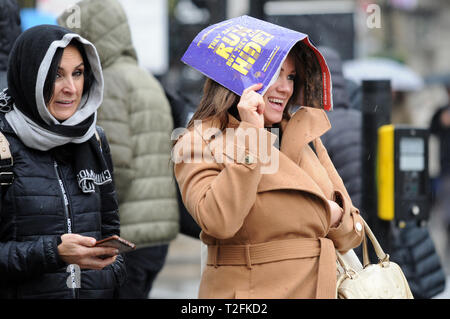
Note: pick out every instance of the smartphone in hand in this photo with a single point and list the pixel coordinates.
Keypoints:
(117, 242)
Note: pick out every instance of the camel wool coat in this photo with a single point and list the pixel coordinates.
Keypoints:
(267, 230)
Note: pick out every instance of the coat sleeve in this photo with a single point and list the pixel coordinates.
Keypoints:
(26, 259)
(110, 210)
(350, 231)
(109, 203)
(218, 189)
(23, 260)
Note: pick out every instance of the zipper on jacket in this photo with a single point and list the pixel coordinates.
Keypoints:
(68, 222)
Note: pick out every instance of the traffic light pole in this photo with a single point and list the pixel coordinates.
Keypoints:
(376, 111)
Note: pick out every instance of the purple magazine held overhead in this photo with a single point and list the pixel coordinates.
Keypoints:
(243, 51)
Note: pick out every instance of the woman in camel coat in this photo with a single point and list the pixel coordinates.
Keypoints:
(272, 213)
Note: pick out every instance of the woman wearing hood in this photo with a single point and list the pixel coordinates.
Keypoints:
(62, 198)
(272, 217)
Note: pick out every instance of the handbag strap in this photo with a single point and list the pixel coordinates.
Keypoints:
(349, 261)
(382, 256)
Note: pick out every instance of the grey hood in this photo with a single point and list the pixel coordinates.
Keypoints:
(29, 65)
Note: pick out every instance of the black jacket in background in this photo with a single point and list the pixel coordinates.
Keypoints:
(10, 28)
(33, 218)
(182, 111)
(344, 145)
(443, 133)
(344, 140)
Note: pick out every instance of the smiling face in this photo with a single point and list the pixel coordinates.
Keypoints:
(279, 93)
(68, 87)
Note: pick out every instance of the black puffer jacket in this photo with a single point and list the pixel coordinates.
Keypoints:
(443, 133)
(344, 145)
(344, 141)
(33, 218)
(10, 28)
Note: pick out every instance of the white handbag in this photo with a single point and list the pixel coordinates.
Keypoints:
(384, 280)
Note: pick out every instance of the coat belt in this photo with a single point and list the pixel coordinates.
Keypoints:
(248, 255)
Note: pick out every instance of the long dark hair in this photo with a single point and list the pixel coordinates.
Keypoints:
(53, 70)
(215, 103)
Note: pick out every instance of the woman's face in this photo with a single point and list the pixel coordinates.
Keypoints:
(279, 93)
(68, 87)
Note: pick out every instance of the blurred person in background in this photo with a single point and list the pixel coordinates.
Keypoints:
(440, 127)
(344, 140)
(137, 118)
(182, 110)
(10, 28)
(62, 197)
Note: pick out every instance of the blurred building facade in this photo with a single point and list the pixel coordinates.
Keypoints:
(415, 32)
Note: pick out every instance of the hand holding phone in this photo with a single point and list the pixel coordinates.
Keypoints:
(117, 242)
(81, 250)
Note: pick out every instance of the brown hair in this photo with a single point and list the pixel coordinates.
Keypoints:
(310, 93)
(215, 103)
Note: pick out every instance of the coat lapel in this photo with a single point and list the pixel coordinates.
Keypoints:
(289, 176)
(306, 125)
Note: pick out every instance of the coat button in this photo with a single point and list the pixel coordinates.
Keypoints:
(249, 159)
(358, 226)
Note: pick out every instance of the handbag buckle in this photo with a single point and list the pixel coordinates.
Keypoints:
(350, 273)
(385, 261)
